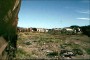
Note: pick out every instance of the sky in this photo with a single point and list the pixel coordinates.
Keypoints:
(54, 13)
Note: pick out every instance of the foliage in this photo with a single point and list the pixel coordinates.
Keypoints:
(77, 51)
(45, 41)
(34, 29)
(52, 54)
(28, 43)
(74, 26)
(86, 30)
(22, 54)
(87, 50)
(54, 32)
(63, 51)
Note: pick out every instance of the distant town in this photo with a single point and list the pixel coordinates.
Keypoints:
(68, 30)
(74, 29)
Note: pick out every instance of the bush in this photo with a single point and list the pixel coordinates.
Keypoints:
(63, 51)
(28, 43)
(86, 30)
(52, 54)
(77, 51)
(54, 32)
(88, 50)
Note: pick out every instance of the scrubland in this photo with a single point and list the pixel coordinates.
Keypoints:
(34, 45)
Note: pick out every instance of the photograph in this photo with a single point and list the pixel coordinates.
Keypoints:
(45, 29)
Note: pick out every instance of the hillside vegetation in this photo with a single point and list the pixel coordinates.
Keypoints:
(48, 46)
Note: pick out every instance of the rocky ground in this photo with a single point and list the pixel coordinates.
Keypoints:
(47, 46)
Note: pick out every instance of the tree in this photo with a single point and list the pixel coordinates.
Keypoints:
(34, 29)
(74, 26)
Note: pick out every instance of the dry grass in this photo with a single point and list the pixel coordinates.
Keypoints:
(43, 43)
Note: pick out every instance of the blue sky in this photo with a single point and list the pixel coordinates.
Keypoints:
(54, 13)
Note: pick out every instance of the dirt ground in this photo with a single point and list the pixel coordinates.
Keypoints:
(46, 46)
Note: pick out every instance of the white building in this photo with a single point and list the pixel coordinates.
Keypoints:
(42, 30)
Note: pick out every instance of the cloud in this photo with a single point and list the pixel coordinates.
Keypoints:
(83, 18)
(84, 11)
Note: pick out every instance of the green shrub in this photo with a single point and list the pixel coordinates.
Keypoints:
(28, 43)
(54, 32)
(63, 51)
(77, 51)
(88, 50)
(52, 54)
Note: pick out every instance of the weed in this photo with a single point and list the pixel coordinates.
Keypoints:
(52, 54)
(77, 51)
(87, 50)
(22, 54)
